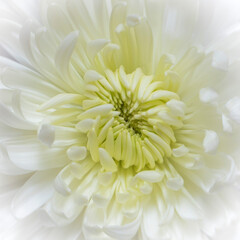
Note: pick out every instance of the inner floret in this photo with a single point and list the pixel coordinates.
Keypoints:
(129, 119)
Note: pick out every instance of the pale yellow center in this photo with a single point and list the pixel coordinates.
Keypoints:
(129, 119)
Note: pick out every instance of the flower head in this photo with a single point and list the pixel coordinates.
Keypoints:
(120, 118)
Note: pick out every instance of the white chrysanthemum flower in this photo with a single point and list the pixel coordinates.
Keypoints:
(119, 119)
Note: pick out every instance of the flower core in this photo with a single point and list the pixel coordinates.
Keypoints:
(130, 117)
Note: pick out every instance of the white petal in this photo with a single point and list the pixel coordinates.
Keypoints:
(133, 20)
(203, 178)
(120, 28)
(150, 226)
(227, 127)
(76, 153)
(123, 232)
(144, 42)
(92, 76)
(10, 132)
(132, 209)
(66, 136)
(10, 119)
(105, 178)
(25, 38)
(146, 188)
(122, 197)
(207, 95)
(150, 176)
(233, 106)
(6, 166)
(70, 231)
(80, 169)
(16, 103)
(175, 183)
(98, 110)
(46, 134)
(220, 61)
(65, 51)
(27, 80)
(85, 125)
(60, 184)
(34, 193)
(163, 95)
(63, 210)
(92, 145)
(60, 99)
(95, 218)
(7, 220)
(107, 161)
(211, 141)
(31, 155)
(187, 208)
(118, 15)
(95, 46)
(57, 18)
(222, 167)
(101, 200)
(180, 151)
(177, 107)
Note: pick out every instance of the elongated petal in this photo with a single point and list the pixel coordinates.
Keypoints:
(34, 193)
(32, 156)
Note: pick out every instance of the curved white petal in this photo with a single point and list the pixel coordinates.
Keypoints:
(34, 193)
(124, 232)
(211, 141)
(46, 134)
(32, 156)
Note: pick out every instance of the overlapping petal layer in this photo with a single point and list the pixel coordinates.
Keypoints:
(121, 117)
